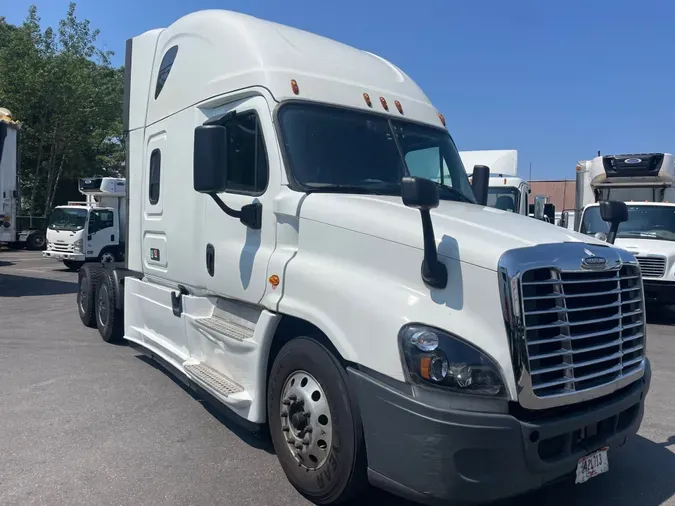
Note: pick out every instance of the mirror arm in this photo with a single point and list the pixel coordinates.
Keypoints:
(434, 273)
(613, 229)
(250, 214)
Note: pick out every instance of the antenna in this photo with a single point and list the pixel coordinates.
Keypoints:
(530, 171)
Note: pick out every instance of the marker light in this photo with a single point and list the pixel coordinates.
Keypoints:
(442, 118)
(398, 106)
(366, 97)
(294, 86)
(384, 103)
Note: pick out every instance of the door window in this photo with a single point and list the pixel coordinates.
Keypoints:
(247, 169)
(99, 220)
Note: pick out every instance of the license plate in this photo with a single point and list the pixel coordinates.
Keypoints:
(592, 465)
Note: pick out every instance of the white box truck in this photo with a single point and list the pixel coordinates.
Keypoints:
(11, 232)
(645, 183)
(506, 190)
(93, 230)
(288, 255)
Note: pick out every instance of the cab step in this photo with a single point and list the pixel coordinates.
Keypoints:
(227, 328)
(212, 379)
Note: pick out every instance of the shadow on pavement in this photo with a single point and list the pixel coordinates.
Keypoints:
(25, 286)
(5, 263)
(258, 439)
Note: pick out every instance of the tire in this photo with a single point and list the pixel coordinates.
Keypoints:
(88, 279)
(36, 240)
(73, 265)
(107, 256)
(109, 320)
(338, 474)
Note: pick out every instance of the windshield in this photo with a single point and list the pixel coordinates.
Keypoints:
(504, 198)
(68, 219)
(644, 222)
(335, 149)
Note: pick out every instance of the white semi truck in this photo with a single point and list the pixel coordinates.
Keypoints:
(290, 254)
(11, 231)
(645, 182)
(506, 190)
(93, 230)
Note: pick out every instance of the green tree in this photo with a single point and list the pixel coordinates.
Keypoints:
(68, 96)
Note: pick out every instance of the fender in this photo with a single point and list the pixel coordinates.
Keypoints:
(118, 274)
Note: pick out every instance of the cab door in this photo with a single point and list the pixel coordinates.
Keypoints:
(101, 231)
(236, 256)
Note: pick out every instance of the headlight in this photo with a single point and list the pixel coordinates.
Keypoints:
(433, 357)
(77, 245)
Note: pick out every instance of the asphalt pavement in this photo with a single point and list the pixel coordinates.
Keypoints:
(83, 422)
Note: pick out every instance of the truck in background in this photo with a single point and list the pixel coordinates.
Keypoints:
(12, 232)
(275, 260)
(93, 230)
(506, 191)
(645, 183)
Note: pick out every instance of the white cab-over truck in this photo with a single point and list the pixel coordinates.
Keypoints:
(288, 255)
(506, 190)
(645, 183)
(90, 231)
(11, 233)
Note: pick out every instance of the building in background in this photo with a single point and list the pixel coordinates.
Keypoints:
(560, 192)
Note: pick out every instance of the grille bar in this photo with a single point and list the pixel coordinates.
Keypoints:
(582, 329)
(652, 266)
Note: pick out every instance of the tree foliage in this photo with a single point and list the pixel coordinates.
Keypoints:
(68, 96)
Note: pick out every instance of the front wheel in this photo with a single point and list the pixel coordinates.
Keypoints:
(36, 240)
(73, 265)
(315, 423)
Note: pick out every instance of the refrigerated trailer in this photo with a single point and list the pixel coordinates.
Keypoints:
(275, 260)
(645, 183)
(12, 233)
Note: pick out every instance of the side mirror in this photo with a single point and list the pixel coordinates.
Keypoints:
(564, 219)
(614, 213)
(480, 182)
(539, 207)
(210, 159)
(422, 194)
(209, 171)
(419, 193)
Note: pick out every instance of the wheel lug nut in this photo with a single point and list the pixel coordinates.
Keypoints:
(298, 446)
(284, 414)
(285, 429)
(292, 397)
(286, 402)
(308, 430)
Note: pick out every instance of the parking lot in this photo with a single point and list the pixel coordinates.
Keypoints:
(84, 422)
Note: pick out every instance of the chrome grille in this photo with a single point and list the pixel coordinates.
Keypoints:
(652, 267)
(61, 246)
(582, 329)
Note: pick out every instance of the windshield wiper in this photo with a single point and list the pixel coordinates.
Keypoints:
(454, 192)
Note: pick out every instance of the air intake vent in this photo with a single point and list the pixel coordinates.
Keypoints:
(652, 267)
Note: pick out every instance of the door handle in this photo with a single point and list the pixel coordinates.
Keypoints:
(112, 238)
(210, 259)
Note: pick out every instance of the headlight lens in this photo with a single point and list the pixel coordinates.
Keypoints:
(433, 357)
(77, 245)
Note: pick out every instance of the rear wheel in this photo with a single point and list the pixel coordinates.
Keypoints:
(315, 423)
(109, 320)
(73, 265)
(88, 279)
(36, 240)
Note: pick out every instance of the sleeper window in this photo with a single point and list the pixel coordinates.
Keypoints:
(247, 169)
(164, 69)
(155, 167)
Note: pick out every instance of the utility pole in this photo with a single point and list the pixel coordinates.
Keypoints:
(530, 171)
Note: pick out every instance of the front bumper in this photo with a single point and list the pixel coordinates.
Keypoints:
(659, 291)
(63, 255)
(435, 456)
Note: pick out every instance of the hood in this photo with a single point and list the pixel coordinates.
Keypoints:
(646, 247)
(466, 232)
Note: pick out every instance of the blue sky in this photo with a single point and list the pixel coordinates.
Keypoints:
(556, 80)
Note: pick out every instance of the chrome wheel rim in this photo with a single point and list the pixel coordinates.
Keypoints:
(306, 421)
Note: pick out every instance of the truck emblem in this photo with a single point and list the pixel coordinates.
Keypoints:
(594, 262)
(632, 160)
